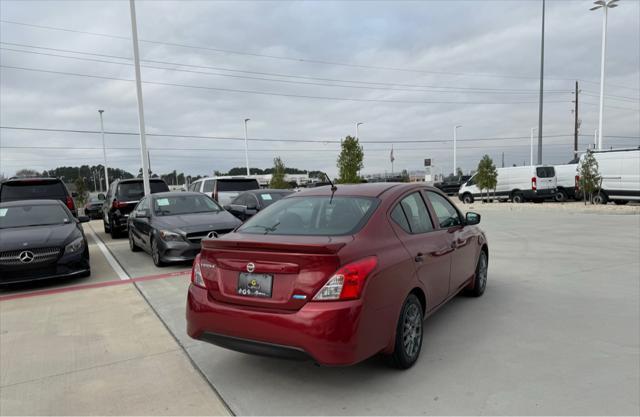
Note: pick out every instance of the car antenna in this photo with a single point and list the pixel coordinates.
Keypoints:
(333, 187)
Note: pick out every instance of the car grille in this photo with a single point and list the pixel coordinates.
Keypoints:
(196, 237)
(40, 256)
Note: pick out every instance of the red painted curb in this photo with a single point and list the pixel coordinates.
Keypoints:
(93, 285)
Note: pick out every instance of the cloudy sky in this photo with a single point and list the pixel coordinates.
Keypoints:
(305, 72)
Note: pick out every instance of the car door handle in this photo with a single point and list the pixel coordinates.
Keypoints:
(419, 257)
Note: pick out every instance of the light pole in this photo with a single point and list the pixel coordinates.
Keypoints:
(357, 125)
(246, 146)
(144, 156)
(541, 100)
(455, 155)
(605, 5)
(533, 129)
(104, 154)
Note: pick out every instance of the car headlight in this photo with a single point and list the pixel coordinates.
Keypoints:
(74, 247)
(169, 236)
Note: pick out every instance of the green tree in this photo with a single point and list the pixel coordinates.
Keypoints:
(26, 172)
(590, 178)
(277, 177)
(486, 175)
(350, 161)
(81, 190)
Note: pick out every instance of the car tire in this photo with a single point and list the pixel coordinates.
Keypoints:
(107, 230)
(132, 243)
(517, 198)
(409, 332)
(155, 254)
(467, 198)
(620, 202)
(560, 196)
(115, 233)
(600, 198)
(480, 278)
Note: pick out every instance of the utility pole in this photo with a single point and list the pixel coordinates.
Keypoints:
(541, 91)
(576, 126)
(143, 138)
(246, 146)
(502, 159)
(455, 151)
(104, 154)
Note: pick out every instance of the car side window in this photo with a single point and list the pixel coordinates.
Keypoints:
(143, 205)
(208, 186)
(417, 214)
(398, 216)
(194, 186)
(241, 200)
(251, 201)
(447, 214)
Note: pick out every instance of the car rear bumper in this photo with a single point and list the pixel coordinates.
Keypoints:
(326, 332)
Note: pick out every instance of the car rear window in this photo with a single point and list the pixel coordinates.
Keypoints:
(32, 190)
(237, 185)
(545, 172)
(269, 198)
(37, 215)
(130, 191)
(312, 216)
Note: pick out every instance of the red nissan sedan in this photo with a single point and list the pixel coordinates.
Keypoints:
(337, 274)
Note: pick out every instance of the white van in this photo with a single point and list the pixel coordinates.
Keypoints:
(518, 184)
(224, 189)
(567, 182)
(620, 172)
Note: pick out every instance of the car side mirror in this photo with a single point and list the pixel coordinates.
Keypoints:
(252, 207)
(101, 197)
(143, 214)
(74, 194)
(83, 219)
(227, 207)
(472, 218)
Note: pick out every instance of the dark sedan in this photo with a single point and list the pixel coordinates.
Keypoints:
(250, 202)
(93, 208)
(171, 225)
(41, 239)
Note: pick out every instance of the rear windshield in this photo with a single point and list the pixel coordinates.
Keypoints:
(545, 172)
(32, 190)
(312, 216)
(40, 215)
(237, 185)
(184, 204)
(269, 198)
(130, 191)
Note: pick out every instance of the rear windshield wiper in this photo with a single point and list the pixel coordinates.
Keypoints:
(267, 229)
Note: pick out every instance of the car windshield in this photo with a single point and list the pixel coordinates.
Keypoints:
(184, 204)
(32, 215)
(32, 190)
(130, 191)
(312, 216)
(237, 185)
(266, 199)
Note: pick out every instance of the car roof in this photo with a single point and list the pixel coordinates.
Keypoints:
(268, 190)
(363, 190)
(138, 180)
(32, 179)
(176, 194)
(18, 203)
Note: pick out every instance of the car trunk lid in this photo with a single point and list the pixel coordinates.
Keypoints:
(298, 266)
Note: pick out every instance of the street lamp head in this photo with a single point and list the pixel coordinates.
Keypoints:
(101, 111)
(359, 123)
(246, 120)
(457, 126)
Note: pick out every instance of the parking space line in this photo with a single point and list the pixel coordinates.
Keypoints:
(94, 285)
(105, 252)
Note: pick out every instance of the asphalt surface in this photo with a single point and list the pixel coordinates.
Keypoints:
(556, 332)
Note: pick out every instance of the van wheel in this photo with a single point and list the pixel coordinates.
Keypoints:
(600, 198)
(561, 196)
(517, 198)
(480, 280)
(408, 342)
(467, 198)
(620, 202)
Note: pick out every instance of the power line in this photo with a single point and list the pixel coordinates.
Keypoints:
(391, 85)
(412, 90)
(265, 93)
(297, 59)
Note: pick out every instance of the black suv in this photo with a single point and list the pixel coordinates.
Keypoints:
(37, 188)
(122, 197)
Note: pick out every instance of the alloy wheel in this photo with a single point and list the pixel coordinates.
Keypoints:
(482, 271)
(412, 330)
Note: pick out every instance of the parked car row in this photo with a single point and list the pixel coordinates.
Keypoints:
(619, 170)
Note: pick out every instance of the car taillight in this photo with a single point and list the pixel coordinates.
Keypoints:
(70, 203)
(577, 182)
(534, 184)
(196, 273)
(118, 204)
(348, 281)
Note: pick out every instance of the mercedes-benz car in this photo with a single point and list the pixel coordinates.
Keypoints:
(41, 239)
(171, 225)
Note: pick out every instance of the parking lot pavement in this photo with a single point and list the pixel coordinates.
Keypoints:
(555, 333)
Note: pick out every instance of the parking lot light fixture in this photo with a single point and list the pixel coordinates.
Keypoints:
(104, 154)
(533, 129)
(246, 146)
(605, 5)
(357, 131)
(455, 154)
